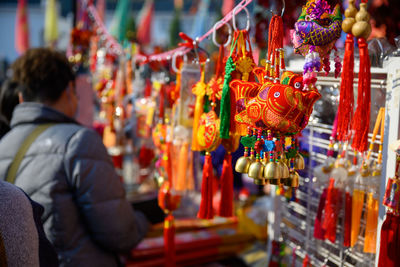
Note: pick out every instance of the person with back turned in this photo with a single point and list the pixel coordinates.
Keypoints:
(65, 167)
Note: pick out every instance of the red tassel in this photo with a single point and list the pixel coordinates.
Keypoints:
(362, 113)
(148, 88)
(347, 220)
(275, 36)
(346, 101)
(331, 211)
(206, 209)
(319, 232)
(169, 241)
(226, 203)
(306, 261)
(162, 103)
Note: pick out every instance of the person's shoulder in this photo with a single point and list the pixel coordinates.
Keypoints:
(9, 189)
(10, 193)
(86, 141)
(86, 134)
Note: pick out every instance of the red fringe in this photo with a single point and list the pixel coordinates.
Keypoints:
(331, 211)
(362, 114)
(347, 220)
(346, 102)
(275, 36)
(306, 261)
(226, 203)
(169, 241)
(220, 63)
(162, 103)
(206, 209)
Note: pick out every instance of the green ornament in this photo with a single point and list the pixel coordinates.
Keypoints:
(249, 141)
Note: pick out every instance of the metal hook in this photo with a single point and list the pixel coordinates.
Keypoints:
(283, 9)
(196, 50)
(173, 63)
(234, 17)
(195, 46)
(215, 33)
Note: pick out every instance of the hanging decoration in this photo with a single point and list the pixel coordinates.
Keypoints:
(373, 185)
(169, 201)
(50, 24)
(214, 94)
(271, 107)
(145, 21)
(22, 28)
(120, 20)
(355, 24)
(199, 90)
(316, 32)
(390, 243)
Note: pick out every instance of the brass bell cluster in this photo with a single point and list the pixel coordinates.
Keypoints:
(357, 22)
(267, 161)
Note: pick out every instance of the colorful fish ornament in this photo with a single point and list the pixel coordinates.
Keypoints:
(314, 37)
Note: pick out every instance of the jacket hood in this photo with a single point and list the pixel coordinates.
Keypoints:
(31, 112)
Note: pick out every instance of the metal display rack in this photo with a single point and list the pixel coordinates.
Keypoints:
(297, 217)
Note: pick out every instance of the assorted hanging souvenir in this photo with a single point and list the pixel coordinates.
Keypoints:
(389, 241)
(169, 201)
(239, 65)
(316, 32)
(373, 185)
(272, 108)
(356, 24)
(214, 93)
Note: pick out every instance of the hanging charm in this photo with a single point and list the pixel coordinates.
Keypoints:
(314, 37)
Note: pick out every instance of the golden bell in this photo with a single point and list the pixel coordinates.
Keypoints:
(287, 181)
(275, 181)
(327, 168)
(242, 164)
(294, 177)
(260, 182)
(278, 171)
(365, 171)
(270, 170)
(256, 170)
(284, 169)
(299, 162)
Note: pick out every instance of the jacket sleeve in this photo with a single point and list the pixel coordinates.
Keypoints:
(100, 195)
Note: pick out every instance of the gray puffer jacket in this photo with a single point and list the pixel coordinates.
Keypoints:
(68, 171)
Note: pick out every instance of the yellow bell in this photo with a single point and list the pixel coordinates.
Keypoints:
(256, 170)
(260, 181)
(299, 162)
(275, 181)
(284, 169)
(294, 177)
(270, 170)
(242, 164)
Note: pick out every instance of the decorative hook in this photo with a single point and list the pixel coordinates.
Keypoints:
(215, 33)
(234, 17)
(283, 9)
(173, 63)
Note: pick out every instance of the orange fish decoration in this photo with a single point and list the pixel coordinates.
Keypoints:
(281, 107)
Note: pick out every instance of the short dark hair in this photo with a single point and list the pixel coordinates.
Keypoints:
(43, 74)
(8, 99)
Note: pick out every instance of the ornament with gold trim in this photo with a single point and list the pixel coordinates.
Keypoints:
(299, 162)
(256, 168)
(244, 162)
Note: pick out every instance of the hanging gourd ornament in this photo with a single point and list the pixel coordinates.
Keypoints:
(362, 28)
(350, 14)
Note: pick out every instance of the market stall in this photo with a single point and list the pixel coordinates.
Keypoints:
(263, 138)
